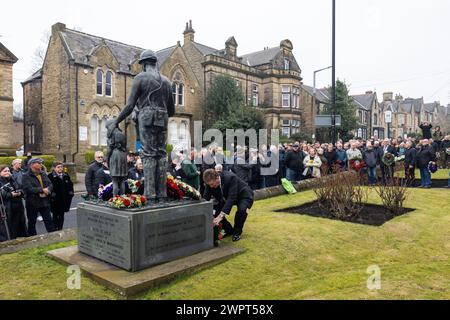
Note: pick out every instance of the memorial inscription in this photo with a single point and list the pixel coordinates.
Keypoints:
(171, 235)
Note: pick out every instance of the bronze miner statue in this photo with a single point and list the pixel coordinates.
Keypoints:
(152, 101)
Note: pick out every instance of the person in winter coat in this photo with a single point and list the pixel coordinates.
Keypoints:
(312, 165)
(11, 198)
(332, 157)
(102, 177)
(424, 157)
(341, 156)
(241, 167)
(426, 130)
(294, 163)
(410, 163)
(17, 172)
(370, 158)
(89, 180)
(37, 188)
(192, 175)
(62, 194)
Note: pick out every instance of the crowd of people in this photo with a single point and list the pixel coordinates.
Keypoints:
(28, 192)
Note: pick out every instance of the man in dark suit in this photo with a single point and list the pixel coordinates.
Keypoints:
(228, 190)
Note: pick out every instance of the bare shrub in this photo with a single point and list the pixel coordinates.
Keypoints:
(341, 196)
(393, 195)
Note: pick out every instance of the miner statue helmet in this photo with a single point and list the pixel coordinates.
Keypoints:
(148, 55)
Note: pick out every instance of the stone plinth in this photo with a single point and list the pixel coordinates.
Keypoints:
(140, 238)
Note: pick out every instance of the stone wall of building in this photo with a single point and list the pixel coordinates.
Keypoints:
(6, 103)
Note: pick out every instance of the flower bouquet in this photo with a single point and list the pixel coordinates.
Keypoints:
(173, 191)
(134, 185)
(188, 191)
(398, 159)
(127, 202)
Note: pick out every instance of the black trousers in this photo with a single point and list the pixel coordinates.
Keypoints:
(32, 214)
(16, 221)
(239, 219)
(58, 219)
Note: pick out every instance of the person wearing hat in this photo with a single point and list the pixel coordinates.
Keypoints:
(294, 163)
(131, 160)
(38, 189)
(151, 95)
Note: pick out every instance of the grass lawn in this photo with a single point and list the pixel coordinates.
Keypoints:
(288, 257)
(440, 174)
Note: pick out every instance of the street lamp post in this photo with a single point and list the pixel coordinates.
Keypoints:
(333, 75)
(314, 85)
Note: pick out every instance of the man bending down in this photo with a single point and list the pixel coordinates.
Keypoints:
(228, 190)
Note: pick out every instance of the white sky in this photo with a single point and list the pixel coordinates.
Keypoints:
(384, 45)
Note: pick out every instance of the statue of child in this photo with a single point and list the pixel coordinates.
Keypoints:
(117, 157)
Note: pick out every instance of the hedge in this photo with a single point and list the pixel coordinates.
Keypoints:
(48, 160)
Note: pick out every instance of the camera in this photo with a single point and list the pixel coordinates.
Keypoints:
(8, 188)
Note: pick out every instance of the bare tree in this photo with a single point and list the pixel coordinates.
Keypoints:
(38, 57)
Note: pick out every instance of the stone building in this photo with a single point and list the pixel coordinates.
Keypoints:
(369, 115)
(7, 60)
(86, 79)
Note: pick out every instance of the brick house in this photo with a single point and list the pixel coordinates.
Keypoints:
(369, 115)
(7, 60)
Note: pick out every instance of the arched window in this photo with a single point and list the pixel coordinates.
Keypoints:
(94, 130)
(181, 94)
(108, 84)
(174, 93)
(183, 130)
(99, 82)
(103, 138)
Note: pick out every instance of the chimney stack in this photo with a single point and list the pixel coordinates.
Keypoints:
(188, 33)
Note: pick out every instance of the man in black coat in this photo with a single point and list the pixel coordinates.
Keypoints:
(294, 163)
(62, 194)
(426, 130)
(89, 179)
(38, 189)
(424, 157)
(410, 163)
(228, 190)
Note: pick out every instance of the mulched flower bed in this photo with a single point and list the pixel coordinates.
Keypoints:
(371, 214)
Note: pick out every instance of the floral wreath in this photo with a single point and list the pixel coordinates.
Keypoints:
(357, 163)
(388, 159)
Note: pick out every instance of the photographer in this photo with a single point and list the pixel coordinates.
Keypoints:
(12, 200)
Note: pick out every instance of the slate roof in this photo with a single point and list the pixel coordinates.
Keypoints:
(322, 95)
(364, 101)
(429, 107)
(34, 76)
(12, 57)
(260, 57)
(417, 103)
(205, 50)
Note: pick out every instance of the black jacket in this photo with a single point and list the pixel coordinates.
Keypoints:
(426, 131)
(134, 174)
(370, 157)
(89, 179)
(102, 177)
(424, 156)
(230, 192)
(242, 169)
(62, 193)
(410, 157)
(294, 160)
(331, 157)
(32, 188)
